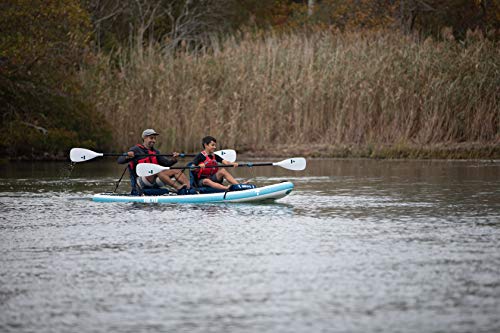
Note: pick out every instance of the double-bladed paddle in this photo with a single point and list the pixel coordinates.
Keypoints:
(82, 155)
(295, 163)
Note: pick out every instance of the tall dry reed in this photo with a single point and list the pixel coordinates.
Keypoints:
(365, 88)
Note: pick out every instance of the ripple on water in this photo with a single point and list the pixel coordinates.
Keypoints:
(373, 251)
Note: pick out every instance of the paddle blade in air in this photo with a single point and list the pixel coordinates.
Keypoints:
(295, 163)
(227, 154)
(149, 169)
(82, 155)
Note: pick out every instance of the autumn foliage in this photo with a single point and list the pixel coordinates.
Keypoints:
(325, 72)
(360, 89)
(42, 45)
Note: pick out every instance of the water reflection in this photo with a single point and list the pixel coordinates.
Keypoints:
(358, 246)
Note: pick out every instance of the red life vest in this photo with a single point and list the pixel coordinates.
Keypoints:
(146, 159)
(209, 161)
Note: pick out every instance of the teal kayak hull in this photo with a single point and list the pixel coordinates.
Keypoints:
(265, 193)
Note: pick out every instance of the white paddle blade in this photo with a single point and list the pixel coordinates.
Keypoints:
(81, 155)
(149, 169)
(228, 154)
(295, 163)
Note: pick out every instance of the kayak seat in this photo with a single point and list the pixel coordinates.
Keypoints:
(186, 191)
(152, 191)
(193, 181)
(241, 187)
(143, 191)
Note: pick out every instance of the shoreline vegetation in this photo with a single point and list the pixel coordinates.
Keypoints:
(330, 94)
(370, 79)
(467, 151)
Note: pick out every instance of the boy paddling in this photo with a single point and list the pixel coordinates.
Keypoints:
(213, 176)
(136, 154)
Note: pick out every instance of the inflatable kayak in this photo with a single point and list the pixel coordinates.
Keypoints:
(265, 193)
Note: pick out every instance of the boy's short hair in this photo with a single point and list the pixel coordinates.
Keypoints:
(206, 140)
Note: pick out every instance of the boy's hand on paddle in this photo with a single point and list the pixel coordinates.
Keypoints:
(130, 154)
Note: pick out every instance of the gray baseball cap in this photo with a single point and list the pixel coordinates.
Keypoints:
(149, 132)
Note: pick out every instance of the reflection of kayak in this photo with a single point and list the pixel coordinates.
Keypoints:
(265, 193)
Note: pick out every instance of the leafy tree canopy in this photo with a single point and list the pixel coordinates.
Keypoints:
(43, 112)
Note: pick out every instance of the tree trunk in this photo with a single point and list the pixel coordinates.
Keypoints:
(310, 7)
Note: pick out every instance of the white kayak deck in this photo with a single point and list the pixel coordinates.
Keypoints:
(265, 193)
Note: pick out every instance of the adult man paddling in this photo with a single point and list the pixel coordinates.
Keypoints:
(146, 153)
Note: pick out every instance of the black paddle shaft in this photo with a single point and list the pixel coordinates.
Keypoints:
(249, 165)
(142, 155)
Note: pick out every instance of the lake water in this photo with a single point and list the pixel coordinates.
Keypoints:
(359, 246)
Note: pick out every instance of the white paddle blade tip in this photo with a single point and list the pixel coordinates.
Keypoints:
(227, 154)
(294, 163)
(148, 169)
(81, 155)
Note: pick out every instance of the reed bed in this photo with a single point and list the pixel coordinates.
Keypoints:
(363, 89)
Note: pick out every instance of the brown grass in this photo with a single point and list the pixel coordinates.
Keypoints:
(365, 89)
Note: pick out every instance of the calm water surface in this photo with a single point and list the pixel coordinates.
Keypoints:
(359, 246)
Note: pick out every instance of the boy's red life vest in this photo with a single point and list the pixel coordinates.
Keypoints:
(147, 159)
(209, 161)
